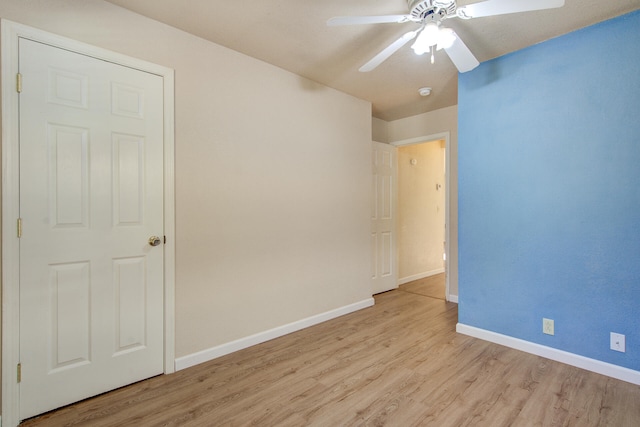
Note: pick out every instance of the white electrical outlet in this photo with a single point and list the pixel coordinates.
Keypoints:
(547, 326)
(617, 342)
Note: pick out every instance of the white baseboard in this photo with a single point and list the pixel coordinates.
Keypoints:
(593, 365)
(453, 298)
(408, 279)
(242, 343)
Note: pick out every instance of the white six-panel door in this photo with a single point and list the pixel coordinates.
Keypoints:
(384, 274)
(91, 196)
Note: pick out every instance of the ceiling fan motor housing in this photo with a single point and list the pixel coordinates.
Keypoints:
(421, 9)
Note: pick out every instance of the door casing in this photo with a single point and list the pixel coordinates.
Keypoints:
(11, 32)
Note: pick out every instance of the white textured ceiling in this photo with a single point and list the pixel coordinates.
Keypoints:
(292, 34)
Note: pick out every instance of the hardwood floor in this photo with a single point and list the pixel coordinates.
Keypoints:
(399, 363)
(432, 286)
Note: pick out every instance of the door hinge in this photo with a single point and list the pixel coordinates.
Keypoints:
(19, 372)
(19, 82)
(165, 240)
(19, 228)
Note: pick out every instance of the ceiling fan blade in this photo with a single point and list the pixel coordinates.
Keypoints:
(501, 7)
(358, 20)
(461, 56)
(388, 51)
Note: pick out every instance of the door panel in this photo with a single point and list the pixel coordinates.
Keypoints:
(69, 294)
(128, 179)
(91, 194)
(384, 275)
(130, 287)
(68, 175)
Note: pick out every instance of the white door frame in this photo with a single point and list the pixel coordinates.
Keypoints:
(11, 33)
(447, 154)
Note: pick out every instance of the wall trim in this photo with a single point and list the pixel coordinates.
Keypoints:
(419, 276)
(242, 343)
(11, 33)
(421, 139)
(453, 298)
(593, 365)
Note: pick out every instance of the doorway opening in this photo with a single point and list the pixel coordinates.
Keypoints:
(423, 212)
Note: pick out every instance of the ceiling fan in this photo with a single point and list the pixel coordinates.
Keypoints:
(431, 35)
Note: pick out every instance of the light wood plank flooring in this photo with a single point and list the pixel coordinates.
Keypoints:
(432, 286)
(399, 363)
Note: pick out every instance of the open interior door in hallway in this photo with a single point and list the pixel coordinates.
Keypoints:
(91, 196)
(384, 274)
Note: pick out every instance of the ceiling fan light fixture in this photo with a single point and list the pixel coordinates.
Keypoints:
(419, 48)
(446, 37)
(427, 38)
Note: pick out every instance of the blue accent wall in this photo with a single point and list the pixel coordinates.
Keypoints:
(549, 192)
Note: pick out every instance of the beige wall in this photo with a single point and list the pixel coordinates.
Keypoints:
(435, 122)
(379, 130)
(421, 209)
(272, 177)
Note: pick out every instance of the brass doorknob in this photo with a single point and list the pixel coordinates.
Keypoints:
(154, 240)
